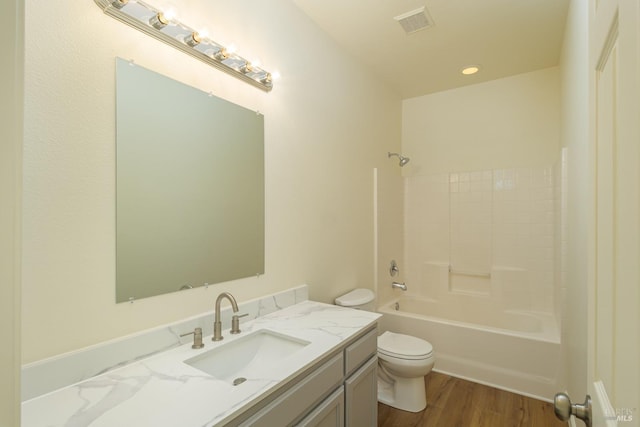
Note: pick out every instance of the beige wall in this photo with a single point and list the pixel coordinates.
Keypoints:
(506, 123)
(327, 125)
(11, 51)
(575, 115)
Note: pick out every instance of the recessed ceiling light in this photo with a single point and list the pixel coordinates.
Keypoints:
(472, 69)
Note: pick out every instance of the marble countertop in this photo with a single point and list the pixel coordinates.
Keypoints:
(164, 391)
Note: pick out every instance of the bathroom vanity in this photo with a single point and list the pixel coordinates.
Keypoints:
(308, 364)
(340, 391)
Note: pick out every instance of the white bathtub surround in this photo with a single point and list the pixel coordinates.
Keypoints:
(481, 261)
(163, 391)
(479, 198)
(487, 223)
(470, 228)
(512, 350)
(50, 374)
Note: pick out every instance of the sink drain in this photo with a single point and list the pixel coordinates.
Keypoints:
(239, 381)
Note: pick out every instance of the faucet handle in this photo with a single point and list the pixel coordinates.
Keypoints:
(235, 323)
(197, 338)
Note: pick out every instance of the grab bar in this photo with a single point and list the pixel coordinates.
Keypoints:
(469, 273)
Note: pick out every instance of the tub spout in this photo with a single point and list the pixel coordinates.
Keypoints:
(397, 285)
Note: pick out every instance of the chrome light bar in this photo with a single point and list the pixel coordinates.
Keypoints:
(161, 26)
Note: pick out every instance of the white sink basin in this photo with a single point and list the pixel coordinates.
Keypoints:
(250, 356)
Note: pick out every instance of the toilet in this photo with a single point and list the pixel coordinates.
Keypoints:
(403, 360)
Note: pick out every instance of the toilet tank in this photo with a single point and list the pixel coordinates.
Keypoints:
(361, 299)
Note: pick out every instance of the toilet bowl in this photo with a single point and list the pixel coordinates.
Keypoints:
(403, 360)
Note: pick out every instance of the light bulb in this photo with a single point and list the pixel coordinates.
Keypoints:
(221, 55)
(267, 79)
(170, 14)
(193, 39)
(119, 4)
(159, 21)
(248, 68)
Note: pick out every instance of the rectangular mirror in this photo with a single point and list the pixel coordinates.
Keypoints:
(189, 189)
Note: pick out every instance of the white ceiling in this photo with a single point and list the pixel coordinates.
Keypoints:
(504, 37)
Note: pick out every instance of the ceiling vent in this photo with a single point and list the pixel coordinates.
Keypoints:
(415, 20)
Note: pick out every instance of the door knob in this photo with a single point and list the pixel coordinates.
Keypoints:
(564, 408)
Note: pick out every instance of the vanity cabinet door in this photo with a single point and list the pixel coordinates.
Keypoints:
(301, 398)
(361, 396)
(330, 413)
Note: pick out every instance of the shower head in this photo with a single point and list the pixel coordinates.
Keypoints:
(403, 160)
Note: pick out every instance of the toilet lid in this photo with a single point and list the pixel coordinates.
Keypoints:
(356, 297)
(403, 346)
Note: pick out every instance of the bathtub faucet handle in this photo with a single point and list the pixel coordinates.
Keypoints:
(394, 270)
(398, 285)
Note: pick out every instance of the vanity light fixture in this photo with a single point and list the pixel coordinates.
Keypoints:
(162, 26)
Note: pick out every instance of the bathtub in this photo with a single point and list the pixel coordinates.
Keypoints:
(512, 350)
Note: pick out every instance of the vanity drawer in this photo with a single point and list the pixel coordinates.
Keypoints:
(300, 398)
(360, 351)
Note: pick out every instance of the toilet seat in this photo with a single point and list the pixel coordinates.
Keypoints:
(403, 346)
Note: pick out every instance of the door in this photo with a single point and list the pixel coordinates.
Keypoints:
(361, 396)
(614, 248)
(329, 413)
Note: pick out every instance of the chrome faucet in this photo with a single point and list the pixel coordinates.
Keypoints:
(397, 285)
(217, 324)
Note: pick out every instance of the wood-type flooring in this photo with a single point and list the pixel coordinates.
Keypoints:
(453, 402)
